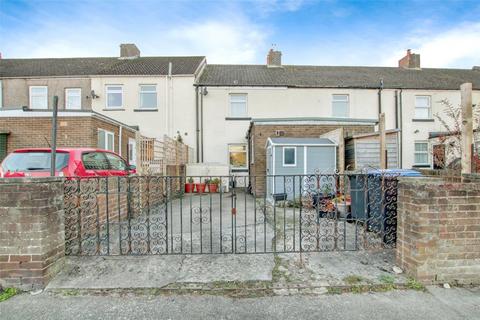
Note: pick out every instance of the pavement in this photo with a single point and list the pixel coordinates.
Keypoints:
(436, 303)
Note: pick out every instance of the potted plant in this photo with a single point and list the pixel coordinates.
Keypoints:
(213, 185)
(200, 186)
(189, 186)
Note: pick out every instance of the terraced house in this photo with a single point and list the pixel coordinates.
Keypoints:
(226, 113)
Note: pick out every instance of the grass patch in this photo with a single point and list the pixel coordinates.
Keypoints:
(7, 293)
(352, 279)
(413, 284)
(334, 290)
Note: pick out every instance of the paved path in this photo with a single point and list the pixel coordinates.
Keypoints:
(436, 304)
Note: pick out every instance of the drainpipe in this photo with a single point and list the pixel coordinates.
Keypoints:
(170, 111)
(197, 128)
(201, 120)
(120, 140)
(400, 145)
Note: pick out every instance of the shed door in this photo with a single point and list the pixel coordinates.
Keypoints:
(321, 159)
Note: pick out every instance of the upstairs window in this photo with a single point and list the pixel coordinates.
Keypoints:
(39, 97)
(105, 140)
(422, 107)
(114, 97)
(73, 98)
(421, 157)
(289, 156)
(238, 105)
(148, 96)
(340, 105)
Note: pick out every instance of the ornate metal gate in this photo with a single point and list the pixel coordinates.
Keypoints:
(140, 215)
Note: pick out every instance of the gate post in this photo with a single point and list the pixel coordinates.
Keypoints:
(32, 234)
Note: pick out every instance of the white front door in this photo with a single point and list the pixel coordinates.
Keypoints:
(132, 151)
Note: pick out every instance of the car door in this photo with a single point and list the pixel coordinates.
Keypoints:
(117, 166)
(95, 163)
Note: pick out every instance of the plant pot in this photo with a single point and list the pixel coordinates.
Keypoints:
(189, 187)
(212, 187)
(200, 187)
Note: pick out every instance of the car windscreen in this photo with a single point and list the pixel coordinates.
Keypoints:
(33, 161)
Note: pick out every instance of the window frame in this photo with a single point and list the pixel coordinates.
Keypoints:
(30, 97)
(140, 96)
(427, 152)
(347, 101)
(106, 141)
(67, 99)
(246, 156)
(294, 156)
(107, 89)
(230, 95)
(429, 108)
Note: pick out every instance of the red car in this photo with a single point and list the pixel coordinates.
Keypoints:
(70, 162)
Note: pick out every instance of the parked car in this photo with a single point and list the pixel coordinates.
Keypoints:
(70, 162)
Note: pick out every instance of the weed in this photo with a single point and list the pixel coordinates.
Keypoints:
(7, 293)
(352, 279)
(387, 279)
(334, 290)
(413, 284)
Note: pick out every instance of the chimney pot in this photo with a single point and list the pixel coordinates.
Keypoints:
(129, 51)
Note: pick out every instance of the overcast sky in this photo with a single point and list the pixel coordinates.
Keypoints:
(445, 33)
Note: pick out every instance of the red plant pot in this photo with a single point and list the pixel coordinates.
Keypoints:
(200, 187)
(212, 187)
(189, 187)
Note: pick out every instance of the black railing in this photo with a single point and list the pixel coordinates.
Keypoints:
(140, 215)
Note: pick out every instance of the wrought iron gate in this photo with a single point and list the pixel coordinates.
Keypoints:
(140, 215)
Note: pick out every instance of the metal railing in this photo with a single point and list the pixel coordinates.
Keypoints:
(140, 215)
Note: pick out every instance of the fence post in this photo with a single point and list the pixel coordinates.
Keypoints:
(467, 127)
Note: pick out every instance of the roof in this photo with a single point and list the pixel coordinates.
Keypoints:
(337, 77)
(302, 141)
(98, 66)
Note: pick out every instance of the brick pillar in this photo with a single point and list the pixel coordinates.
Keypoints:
(438, 230)
(32, 231)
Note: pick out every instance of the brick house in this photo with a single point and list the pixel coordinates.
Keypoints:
(27, 129)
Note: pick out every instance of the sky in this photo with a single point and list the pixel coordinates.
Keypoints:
(371, 33)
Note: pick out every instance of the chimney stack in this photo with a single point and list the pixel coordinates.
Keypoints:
(129, 51)
(410, 61)
(274, 58)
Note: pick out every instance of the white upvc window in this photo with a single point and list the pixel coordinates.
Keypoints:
(289, 156)
(237, 154)
(106, 140)
(114, 95)
(421, 154)
(238, 105)
(73, 98)
(423, 107)
(38, 97)
(148, 96)
(340, 105)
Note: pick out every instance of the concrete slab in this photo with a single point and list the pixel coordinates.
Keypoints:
(159, 271)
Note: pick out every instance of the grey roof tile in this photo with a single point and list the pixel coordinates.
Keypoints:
(98, 66)
(337, 77)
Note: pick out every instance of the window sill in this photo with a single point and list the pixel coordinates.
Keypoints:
(421, 166)
(145, 110)
(113, 109)
(238, 118)
(423, 120)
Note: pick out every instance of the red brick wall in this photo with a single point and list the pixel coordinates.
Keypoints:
(261, 132)
(72, 132)
(438, 230)
(31, 231)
